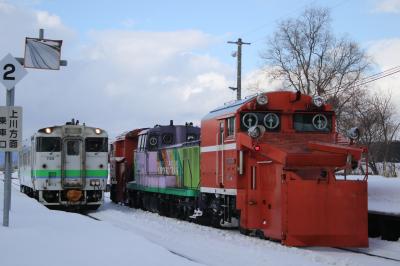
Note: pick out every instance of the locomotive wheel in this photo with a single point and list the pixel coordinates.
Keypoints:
(244, 231)
(260, 234)
(388, 231)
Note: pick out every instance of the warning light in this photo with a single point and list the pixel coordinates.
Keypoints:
(257, 148)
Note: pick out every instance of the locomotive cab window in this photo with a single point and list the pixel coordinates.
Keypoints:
(153, 142)
(48, 144)
(142, 142)
(271, 121)
(96, 144)
(315, 122)
(167, 139)
(230, 126)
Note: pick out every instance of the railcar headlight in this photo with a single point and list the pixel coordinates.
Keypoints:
(353, 133)
(318, 101)
(48, 130)
(97, 131)
(95, 182)
(262, 99)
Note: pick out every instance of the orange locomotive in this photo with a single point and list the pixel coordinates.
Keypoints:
(272, 159)
(267, 166)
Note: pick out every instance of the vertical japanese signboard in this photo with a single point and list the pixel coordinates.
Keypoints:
(10, 128)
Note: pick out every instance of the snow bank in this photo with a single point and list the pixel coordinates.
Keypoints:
(384, 194)
(38, 236)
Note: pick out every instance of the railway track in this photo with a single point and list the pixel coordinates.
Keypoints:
(170, 250)
(360, 251)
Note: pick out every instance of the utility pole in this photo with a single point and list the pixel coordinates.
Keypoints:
(238, 88)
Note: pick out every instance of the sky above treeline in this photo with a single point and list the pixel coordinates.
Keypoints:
(140, 63)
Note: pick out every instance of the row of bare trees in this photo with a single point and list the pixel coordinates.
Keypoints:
(304, 54)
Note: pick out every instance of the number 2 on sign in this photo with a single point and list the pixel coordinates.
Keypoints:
(10, 68)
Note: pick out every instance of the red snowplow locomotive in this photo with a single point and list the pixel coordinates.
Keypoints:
(267, 166)
(272, 158)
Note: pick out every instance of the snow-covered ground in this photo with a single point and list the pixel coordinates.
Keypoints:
(124, 236)
(39, 236)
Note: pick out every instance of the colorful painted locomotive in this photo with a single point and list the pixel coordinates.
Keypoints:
(66, 166)
(267, 166)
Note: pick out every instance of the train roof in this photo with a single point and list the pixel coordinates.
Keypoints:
(288, 100)
(228, 107)
(70, 129)
(130, 134)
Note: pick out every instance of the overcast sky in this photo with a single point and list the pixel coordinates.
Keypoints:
(139, 63)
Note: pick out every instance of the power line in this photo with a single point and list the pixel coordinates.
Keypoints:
(378, 76)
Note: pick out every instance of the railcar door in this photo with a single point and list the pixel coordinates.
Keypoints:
(72, 164)
(253, 215)
(220, 154)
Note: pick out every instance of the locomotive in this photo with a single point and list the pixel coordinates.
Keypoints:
(265, 164)
(65, 166)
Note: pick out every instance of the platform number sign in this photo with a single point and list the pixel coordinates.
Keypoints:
(11, 71)
(10, 128)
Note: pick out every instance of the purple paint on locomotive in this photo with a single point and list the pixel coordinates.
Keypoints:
(159, 165)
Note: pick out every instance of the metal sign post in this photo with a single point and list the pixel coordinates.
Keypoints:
(8, 169)
(11, 72)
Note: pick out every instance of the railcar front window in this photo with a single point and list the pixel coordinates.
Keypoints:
(96, 145)
(317, 122)
(48, 144)
(73, 147)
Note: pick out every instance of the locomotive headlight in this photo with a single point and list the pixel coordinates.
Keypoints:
(353, 133)
(97, 131)
(47, 130)
(262, 99)
(256, 131)
(318, 101)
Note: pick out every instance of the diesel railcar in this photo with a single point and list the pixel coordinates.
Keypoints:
(66, 166)
(266, 164)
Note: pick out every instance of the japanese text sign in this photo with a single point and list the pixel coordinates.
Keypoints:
(10, 128)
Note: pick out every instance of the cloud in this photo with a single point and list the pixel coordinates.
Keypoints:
(387, 6)
(259, 81)
(117, 79)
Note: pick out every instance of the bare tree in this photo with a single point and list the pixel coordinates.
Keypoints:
(374, 114)
(305, 54)
(388, 125)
